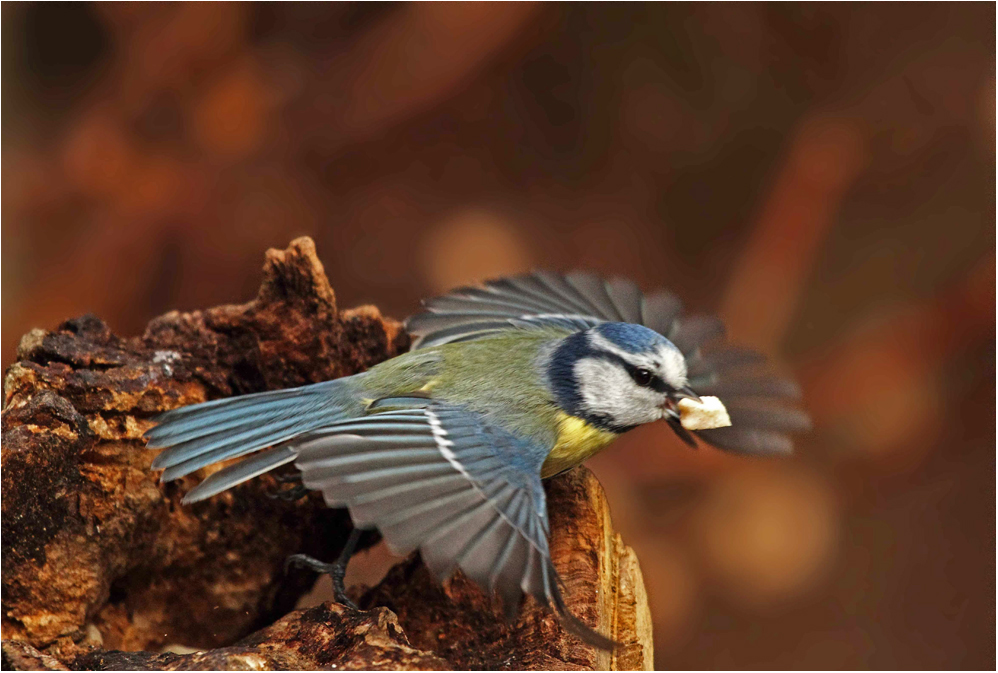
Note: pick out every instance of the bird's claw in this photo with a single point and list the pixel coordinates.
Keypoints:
(336, 570)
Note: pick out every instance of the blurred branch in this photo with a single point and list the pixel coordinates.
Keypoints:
(413, 59)
(826, 155)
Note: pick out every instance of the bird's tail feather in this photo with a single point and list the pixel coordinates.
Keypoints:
(237, 473)
(203, 434)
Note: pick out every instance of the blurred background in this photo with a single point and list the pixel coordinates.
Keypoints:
(823, 176)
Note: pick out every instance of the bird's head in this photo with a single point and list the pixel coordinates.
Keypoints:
(618, 375)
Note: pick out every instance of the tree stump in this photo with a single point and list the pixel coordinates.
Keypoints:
(103, 568)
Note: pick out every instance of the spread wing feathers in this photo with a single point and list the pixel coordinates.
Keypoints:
(440, 479)
(202, 434)
(578, 301)
(237, 473)
(761, 403)
(575, 301)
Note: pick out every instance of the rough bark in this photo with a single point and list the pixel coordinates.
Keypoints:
(102, 567)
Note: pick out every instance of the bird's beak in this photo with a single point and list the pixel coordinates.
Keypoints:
(669, 406)
(686, 393)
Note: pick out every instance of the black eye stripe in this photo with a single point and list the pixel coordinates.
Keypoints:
(640, 376)
(655, 383)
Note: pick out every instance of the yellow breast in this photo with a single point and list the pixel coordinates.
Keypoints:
(577, 441)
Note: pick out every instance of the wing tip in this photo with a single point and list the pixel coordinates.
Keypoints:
(196, 494)
(749, 441)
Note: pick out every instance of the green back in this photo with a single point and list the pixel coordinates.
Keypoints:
(500, 377)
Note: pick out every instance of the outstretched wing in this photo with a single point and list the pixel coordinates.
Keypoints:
(577, 301)
(442, 479)
(759, 401)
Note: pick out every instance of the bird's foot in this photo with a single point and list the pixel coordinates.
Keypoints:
(337, 570)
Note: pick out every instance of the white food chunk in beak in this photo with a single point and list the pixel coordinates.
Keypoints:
(704, 415)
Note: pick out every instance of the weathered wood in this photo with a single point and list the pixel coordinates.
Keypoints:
(102, 567)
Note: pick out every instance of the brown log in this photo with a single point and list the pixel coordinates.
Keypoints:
(102, 567)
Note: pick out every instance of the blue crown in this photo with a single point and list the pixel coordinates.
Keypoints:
(630, 337)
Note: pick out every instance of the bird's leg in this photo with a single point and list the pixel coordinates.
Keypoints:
(340, 569)
(337, 570)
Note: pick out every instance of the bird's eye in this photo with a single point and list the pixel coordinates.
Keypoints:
(642, 376)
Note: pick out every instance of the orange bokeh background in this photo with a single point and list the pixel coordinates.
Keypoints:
(820, 175)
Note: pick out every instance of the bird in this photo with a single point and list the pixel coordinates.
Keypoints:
(507, 383)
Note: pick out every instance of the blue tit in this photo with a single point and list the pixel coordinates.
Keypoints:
(444, 448)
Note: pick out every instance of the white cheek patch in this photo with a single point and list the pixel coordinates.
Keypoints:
(673, 366)
(606, 388)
